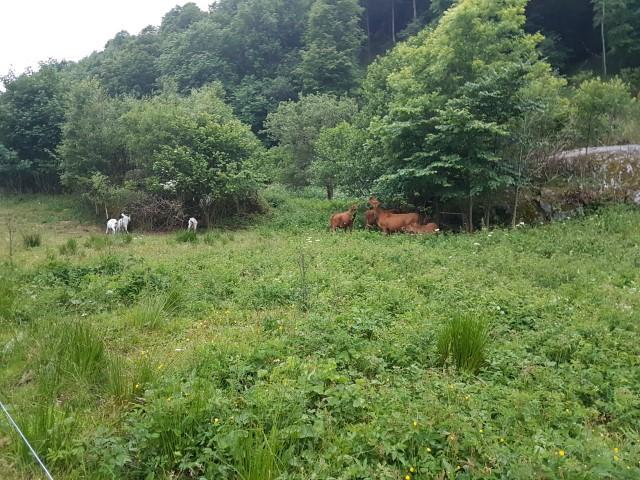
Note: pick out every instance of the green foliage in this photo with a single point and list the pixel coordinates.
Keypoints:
(454, 94)
(464, 340)
(31, 115)
(600, 111)
(296, 127)
(31, 240)
(621, 22)
(333, 41)
(342, 159)
(93, 137)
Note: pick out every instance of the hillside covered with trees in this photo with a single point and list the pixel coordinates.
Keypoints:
(423, 101)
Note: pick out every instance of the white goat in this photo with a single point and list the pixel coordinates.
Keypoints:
(112, 226)
(193, 224)
(123, 223)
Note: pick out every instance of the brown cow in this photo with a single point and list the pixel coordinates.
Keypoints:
(392, 222)
(419, 229)
(343, 219)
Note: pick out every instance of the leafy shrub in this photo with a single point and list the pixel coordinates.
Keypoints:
(31, 240)
(69, 248)
(464, 339)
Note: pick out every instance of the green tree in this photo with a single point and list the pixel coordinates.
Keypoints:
(599, 111)
(619, 23)
(31, 116)
(452, 97)
(339, 159)
(93, 136)
(297, 125)
(334, 39)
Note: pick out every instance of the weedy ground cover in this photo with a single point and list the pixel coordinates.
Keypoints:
(502, 354)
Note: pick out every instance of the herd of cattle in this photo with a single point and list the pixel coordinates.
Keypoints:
(389, 222)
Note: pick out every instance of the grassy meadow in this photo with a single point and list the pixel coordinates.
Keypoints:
(278, 350)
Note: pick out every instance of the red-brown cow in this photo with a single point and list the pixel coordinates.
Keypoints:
(392, 222)
(343, 219)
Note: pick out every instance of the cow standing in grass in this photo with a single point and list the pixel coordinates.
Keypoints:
(343, 219)
(393, 222)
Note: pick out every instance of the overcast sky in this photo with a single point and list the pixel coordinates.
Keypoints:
(35, 30)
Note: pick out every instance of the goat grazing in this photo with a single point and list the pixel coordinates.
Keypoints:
(392, 222)
(112, 225)
(343, 219)
(193, 224)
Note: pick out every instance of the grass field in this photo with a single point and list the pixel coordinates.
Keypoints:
(278, 350)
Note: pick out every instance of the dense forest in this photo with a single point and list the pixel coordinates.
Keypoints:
(424, 101)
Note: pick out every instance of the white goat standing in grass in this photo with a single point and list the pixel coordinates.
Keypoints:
(123, 223)
(193, 224)
(112, 226)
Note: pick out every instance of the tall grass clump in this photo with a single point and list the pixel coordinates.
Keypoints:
(256, 456)
(48, 429)
(98, 242)
(186, 236)
(210, 238)
(152, 310)
(79, 351)
(70, 247)
(31, 240)
(118, 383)
(463, 340)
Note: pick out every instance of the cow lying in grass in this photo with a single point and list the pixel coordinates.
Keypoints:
(392, 222)
(343, 219)
(421, 229)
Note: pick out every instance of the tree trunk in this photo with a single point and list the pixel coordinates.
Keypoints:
(415, 11)
(393, 21)
(604, 43)
(470, 213)
(368, 34)
(329, 192)
(515, 206)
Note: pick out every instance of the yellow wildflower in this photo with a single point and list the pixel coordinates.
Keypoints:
(408, 477)
(616, 449)
(616, 458)
(412, 469)
(481, 430)
(561, 453)
(415, 424)
(428, 450)
(137, 386)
